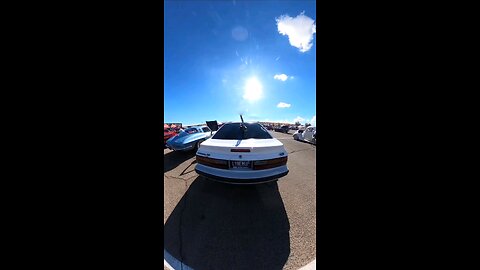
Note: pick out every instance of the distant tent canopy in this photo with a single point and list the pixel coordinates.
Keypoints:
(173, 125)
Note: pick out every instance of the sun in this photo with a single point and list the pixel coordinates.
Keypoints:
(253, 90)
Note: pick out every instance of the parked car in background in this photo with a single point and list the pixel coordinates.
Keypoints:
(242, 153)
(283, 129)
(190, 138)
(167, 134)
(298, 135)
(308, 134)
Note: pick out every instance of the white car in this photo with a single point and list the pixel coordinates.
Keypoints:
(308, 134)
(298, 135)
(242, 153)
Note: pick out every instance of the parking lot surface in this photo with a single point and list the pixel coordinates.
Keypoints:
(211, 225)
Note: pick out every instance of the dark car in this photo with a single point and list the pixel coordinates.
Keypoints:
(283, 129)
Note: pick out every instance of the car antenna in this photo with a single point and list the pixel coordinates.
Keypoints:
(242, 125)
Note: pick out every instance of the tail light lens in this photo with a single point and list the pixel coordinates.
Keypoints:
(212, 162)
(269, 163)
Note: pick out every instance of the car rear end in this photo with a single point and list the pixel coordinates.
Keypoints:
(245, 161)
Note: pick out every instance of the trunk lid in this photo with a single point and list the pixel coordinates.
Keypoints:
(257, 149)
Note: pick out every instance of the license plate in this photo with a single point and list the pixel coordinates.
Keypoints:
(240, 164)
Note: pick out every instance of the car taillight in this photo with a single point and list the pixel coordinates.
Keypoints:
(212, 162)
(269, 163)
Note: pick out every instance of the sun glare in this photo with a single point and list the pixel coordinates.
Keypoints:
(253, 90)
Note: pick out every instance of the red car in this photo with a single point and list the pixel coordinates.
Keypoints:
(167, 134)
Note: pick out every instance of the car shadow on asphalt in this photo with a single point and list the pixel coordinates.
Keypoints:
(221, 226)
(172, 159)
(307, 142)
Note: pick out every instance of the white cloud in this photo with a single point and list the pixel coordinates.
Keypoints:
(283, 105)
(314, 121)
(298, 119)
(299, 29)
(281, 77)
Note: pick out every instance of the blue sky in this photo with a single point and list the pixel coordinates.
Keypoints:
(223, 58)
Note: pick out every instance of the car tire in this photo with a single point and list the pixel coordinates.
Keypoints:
(197, 145)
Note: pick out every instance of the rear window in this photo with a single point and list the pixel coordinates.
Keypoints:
(234, 132)
(206, 129)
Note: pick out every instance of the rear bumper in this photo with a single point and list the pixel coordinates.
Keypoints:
(241, 177)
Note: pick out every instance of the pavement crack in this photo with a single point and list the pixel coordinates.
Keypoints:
(180, 178)
(299, 150)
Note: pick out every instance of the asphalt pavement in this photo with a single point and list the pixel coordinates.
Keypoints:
(211, 225)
